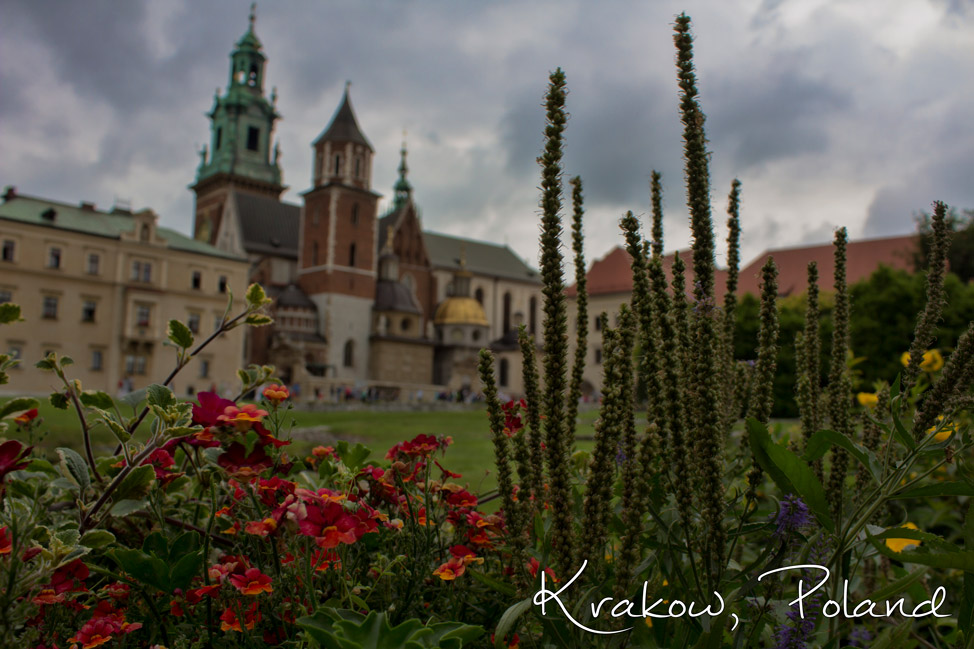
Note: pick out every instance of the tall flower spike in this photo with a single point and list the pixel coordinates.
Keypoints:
(555, 334)
(642, 305)
(956, 380)
(840, 385)
(809, 348)
(532, 396)
(706, 399)
(926, 326)
(730, 302)
(656, 191)
(763, 397)
(581, 311)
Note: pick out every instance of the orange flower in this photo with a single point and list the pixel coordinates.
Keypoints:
(867, 399)
(243, 419)
(276, 394)
(261, 528)
(229, 621)
(26, 417)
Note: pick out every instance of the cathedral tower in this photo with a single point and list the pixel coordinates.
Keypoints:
(337, 257)
(239, 156)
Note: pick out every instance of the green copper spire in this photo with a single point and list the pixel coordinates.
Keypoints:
(403, 190)
(242, 120)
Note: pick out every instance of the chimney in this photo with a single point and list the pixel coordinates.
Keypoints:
(49, 214)
(87, 206)
(9, 192)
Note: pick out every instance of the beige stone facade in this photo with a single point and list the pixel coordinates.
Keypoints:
(101, 288)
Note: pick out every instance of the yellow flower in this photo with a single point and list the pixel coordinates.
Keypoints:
(868, 399)
(898, 545)
(932, 361)
(944, 434)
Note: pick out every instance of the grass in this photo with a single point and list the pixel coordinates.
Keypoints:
(471, 454)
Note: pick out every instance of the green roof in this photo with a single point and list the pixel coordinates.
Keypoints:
(481, 257)
(111, 225)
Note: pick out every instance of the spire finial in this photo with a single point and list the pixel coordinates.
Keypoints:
(348, 84)
(253, 15)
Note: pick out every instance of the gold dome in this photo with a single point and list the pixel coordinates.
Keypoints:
(460, 310)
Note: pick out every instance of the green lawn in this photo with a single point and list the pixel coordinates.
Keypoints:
(471, 454)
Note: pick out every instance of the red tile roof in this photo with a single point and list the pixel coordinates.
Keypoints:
(612, 273)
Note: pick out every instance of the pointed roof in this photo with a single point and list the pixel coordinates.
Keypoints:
(249, 41)
(403, 191)
(344, 127)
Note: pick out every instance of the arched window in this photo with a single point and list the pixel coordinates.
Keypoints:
(144, 233)
(348, 355)
(479, 295)
(355, 214)
(503, 372)
(507, 312)
(338, 164)
(533, 314)
(314, 253)
(358, 166)
(351, 255)
(252, 80)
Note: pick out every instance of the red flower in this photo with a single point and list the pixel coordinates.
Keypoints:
(13, 457)
(194, 595)
(261, 528)
(322, 560)
(420, 446)
(238, 464)
(276, 394)
(533, 567)
(69, 578)
(104, 625)
(24, 418)
(6, 542)
(229, 621)
(161, 460)
(211, 406)
(252, 582)
(457, 565)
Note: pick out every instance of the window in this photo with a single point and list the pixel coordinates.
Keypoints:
(88, 311)
(253, 138)
(404, 325)
(479, 296)
(135, 364)
(8, 249)
(348, 355)
(96, 359)
(598, 323)
(358, 166)
(219, 139)
(338, 164)
(222, 285)
(50, 308)
(141, 271)
(15, 351)
(54, 258)
(6, 296)
(197, 280)
(94, 261)
(507, 312)
(204, 368)
(351, 255)
(598, 356)
(143, 314)
(144, 233)
(194, 322)
(355, 214)
(314, 253)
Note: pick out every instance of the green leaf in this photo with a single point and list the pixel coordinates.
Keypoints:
(944, 558)
(66, 360)
(374, 631)
(353, 457)
(898, 586)
(819, 443)
(120, 431)
(501, 587)
(44, 364)
(159, 395)
(133, 398)
(59, 400)
(97, 539)
(321, 628)
(136, 485)
(183, 431)
(258, 320)
(73, 466)
(256, 297)
(151, 571)
(156, 545)
(899, 432)
(451, 635)
(18, 405)
(9, 312)
(123, 508)
(947, 488)
(179, 334)
(789, 472)
(184, 544)
(506, 624)
(97, 399)
(185, 569)
(37, 464)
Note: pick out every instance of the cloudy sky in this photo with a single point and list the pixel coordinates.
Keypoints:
(830, 112)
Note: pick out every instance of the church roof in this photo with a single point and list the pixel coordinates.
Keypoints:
(460, 310)
(267, 225)
(293, 297)
(394, 296)
(344, 127)
(87, 220)
(482, 258)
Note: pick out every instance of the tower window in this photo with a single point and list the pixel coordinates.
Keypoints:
(219, 138)
(355, 214)
(144, 233)
(338, 164)
(358, 166)
(253, 138)
(252, 79)
(351, 255)
(479, 295)
(507, 312)
(348, 355)
(314, 253)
